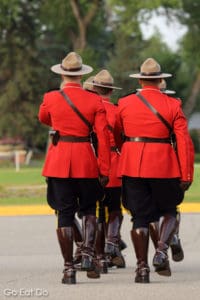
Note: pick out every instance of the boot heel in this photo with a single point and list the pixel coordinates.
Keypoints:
(119, 262)
(86, 263)
(142, 279)
(69, 277)
(104, 267)
(94, 274)
(142, 274)
(176, 249)
(69, 280)
(161, 263)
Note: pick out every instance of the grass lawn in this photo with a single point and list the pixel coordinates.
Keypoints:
(25, 176)
(193, 194)
(27, 186)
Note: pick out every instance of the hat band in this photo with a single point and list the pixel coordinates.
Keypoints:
(150, 74)
(102, 83)
(71, 69)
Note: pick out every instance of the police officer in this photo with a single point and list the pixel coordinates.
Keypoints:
(108, 240)
(154, 175)
(71, 166)
(175, 244)
(103, 84)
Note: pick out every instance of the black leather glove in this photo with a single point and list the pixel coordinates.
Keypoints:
(185, 185)
(103, 180)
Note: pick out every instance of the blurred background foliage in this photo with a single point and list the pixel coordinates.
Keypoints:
(35, 34)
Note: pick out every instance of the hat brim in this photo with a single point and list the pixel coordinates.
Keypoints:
(85, 69)
(169, 92)
(139, 76)
(104, 85)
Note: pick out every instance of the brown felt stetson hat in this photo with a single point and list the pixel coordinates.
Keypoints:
(104, 79)
(72, 65)
(150, 69)
(88, 84)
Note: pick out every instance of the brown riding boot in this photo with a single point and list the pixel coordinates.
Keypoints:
(154, 233)
(160, 260)
(78, 238)
(65, 239)
(112, 241)
(99, 248)
(89, 234)
(140, 240)
(175, 244)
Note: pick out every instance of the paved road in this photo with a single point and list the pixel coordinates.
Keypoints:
(31, 266)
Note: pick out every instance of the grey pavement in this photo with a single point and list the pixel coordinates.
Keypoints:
(31, 265)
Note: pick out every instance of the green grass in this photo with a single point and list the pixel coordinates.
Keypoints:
(193, 194)
(25, 176)
(27, 186)
(23, 200)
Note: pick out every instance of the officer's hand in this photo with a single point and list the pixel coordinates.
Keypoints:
(103, 180)
(185, 185)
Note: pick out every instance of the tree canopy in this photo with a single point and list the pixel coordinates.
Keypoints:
(35, 34)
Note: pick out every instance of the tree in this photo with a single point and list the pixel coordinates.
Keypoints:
(130, 48)
(190, 16)
(74, 19)
(81, 26)
(21, 75)
(33, 36)
(184, 63)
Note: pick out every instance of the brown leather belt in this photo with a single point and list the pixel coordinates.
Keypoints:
(74, 139)
(148, 140)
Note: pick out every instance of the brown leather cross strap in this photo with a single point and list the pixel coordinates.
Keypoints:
(75, 109)
(74, 139)
(148, 140)
(158, 115)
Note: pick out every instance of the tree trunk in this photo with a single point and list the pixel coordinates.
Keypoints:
(191, 102)
(80, 41)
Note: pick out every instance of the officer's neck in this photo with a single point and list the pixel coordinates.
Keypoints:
(73, 79)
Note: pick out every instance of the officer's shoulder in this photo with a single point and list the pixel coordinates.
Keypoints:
(91, 93)
(52, 92)
(171, 94)
(173, 98)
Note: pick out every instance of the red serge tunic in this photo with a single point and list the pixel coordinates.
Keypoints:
(75, 160)
(110, 108)
(153, 160)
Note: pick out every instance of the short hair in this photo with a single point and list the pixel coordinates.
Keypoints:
(102, 90)
(150, 80)
(72, 76)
